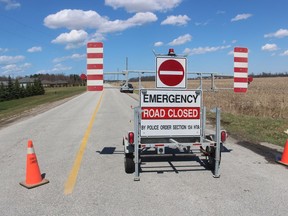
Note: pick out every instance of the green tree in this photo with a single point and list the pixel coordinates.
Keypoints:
(10, 92)
(16, 89)
(3, 92)
(22, 92)
(29, 90)
(38, 88)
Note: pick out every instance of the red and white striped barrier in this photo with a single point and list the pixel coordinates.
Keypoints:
(240, 69)
(94, 66)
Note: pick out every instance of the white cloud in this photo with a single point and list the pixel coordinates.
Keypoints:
(73, 39)
(120, 25)
(10, 4)
(203, 50)
(241, 17)
(74, 19)
(58, 68)
(181, 40)
(3, 50)
(176, 20)
(34, 49)
(202, 23)
(187, 51)
(285, 53)
(14, 68)
(278, 34)
(78, 20)
(159, 43)
(11, 59)
(269, 47)
(143, 5)
(75, 56)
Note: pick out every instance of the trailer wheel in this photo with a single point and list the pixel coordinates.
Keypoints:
(129, 163)
(211, 157)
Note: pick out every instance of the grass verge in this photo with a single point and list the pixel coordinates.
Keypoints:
(16, 107)
(254, 129)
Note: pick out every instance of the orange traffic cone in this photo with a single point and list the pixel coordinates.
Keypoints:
(284, 159)
(33, 175)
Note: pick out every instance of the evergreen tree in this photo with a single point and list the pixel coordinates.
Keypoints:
(10, 92)
(22, 92)
(29, 90)
(3, 92)
(38, 88)
(16, 89)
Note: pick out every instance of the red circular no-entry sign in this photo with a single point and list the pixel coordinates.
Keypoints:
(171, 73)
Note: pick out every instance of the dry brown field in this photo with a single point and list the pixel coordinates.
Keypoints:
(266, 97)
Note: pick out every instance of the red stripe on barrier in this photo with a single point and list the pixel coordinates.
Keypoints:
(94, 55)
(240, 59)
(244, 70)
(95, 77)
(94, 66)
(95, 88)
(242, 90)
(242, 80)
(241, 49)
(94, 45)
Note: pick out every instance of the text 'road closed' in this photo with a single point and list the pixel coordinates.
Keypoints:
(170, 113)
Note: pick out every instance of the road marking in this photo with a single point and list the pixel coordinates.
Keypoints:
(71, 181)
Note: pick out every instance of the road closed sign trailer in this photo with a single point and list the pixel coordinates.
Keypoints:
(170, 121)
(170, 113)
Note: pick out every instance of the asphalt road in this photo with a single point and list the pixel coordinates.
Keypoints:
(79, 148)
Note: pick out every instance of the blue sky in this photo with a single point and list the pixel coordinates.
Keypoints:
(50, 36)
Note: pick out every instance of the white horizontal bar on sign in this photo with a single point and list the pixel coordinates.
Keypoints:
(94, 50)
(240, 85)
(171, 72)
(240, 75)
(94, 82)
(94, 60)
(94, 71)
(240, 55)
(241, 64)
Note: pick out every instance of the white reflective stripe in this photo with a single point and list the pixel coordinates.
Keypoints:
(94, 71)
(170, 72)
(94, 82)
(241, 54)
(30, 151)
(240, 85)
(241, 64)
(94, 60)
(94, 50)
(240, 75)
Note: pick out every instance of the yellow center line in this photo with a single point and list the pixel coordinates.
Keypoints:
(71, 181)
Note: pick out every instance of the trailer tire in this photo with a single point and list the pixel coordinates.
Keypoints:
(129, 163)
(211, 158)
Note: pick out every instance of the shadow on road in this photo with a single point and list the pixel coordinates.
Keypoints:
(109, 151)
(268, 153)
